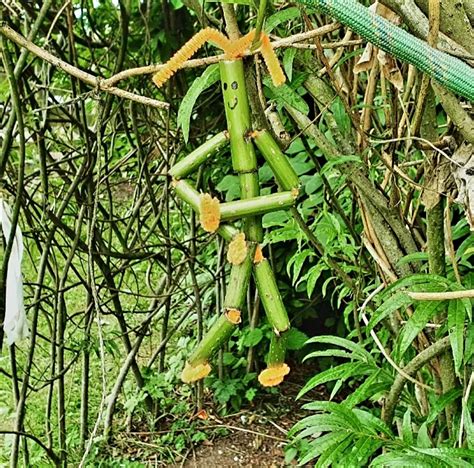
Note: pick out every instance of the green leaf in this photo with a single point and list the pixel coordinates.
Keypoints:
(423, 313)
(301, 164)
(238, 2)
(423, 437)
(341, 160)
(282, 16)
(288, 58)
(358, 351)
(342, 371)
(403, 460)
(328, 457)
(340, 116)
(253, 337)
(435, 281)
(456, 318)
(414, 257)
(285, 95)
(407, 431)
(276, 218)
(440, 403)
(250, 394)
(451, 456)
(312, 277)
(231, 186)
(297, 261)
(295, 339)
(363, 449)
(397, 301)
(207, 79)
(323, 443)
(369, 388)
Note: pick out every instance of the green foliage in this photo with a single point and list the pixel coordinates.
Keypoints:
(207, 79)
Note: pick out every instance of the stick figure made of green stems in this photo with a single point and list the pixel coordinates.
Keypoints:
(244, 251)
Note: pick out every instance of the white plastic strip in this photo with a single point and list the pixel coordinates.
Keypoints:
(15, 324)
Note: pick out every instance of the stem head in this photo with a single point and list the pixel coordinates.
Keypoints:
(273, 375)
(194, 373)
(237, 250)
(210, 213)
(233, 316)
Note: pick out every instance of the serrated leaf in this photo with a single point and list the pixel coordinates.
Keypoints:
(367, 389)
(282, 16)
(275, 218)
(403, 460)
(363, 449)
(423, 313)
(328, 457)
(312, 277)
(201, 83)
(426, 280)
(359, 352)
(456, 318)
(323, 443)
(451, 456)
(440, 403)
(285, 95)
(318, 423)
(253, 337)
(297, 261)
(372, 424)
(295, 339)
(397, 301)
(328, 353)
(342, 371)
(340, 160)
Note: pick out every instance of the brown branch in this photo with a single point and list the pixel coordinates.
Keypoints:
(287, 42)
(442, 296)
(95, 81)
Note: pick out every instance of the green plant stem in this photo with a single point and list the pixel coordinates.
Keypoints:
(262, 7)
(237, 115)
(411, 368)
(270, 297)
(277, 351)
(188, 193)
(227, 232)
(222, 328)
(278, 162)
(249, 207)
(244, 163)
(199, 156)
(244, 160)
(436, 250)
(257, 206)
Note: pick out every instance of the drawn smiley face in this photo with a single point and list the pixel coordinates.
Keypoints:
(233, 100)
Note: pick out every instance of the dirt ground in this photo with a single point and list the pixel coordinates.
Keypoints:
(257, 436)
(262, 448)
(254, 437)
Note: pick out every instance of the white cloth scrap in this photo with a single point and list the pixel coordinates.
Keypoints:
(15, 323)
